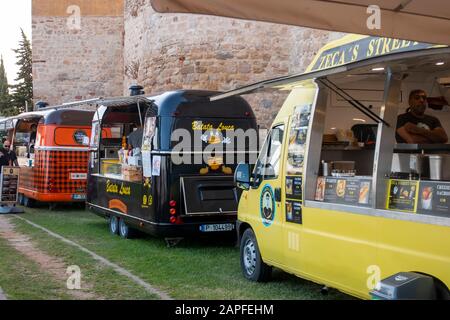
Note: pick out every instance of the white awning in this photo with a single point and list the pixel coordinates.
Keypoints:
(419, 20)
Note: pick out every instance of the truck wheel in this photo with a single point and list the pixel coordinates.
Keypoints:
(27, 202)
(253, 267)
(113, 225)
(125, 231)
(20, 199)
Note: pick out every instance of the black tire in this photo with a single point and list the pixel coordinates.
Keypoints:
(114, 225)
(253, 267)
(125, 231)
(442, 293)
(28, 202)
(20, 199)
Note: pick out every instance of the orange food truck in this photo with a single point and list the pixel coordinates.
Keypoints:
(52, 150)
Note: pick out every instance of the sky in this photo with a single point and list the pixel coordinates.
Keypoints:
(14, 14)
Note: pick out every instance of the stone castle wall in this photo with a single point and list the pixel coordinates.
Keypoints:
(72, 63)
(129, 43)
(172, 51)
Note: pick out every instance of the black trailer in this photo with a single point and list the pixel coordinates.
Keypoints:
(178, 181)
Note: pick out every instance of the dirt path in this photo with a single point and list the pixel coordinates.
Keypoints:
(148, 287)
(51, 265)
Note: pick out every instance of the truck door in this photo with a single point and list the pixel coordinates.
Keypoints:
(265, 196)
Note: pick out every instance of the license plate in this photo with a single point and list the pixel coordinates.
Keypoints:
(79, 197)
(216, 227)
(78, 176)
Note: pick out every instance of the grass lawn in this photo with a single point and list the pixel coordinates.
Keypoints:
(192, 270)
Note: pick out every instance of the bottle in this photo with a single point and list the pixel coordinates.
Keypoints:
(124, 142)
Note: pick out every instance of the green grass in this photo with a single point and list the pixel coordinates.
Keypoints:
(192, 270)
(22, 279)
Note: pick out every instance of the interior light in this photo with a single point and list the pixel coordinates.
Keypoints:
(440, 63)
(358, 119)
(378, 69)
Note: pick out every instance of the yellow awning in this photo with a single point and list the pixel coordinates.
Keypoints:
(419, 20)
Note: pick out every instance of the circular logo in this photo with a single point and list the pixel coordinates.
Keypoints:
(79, 136)
(267, 205)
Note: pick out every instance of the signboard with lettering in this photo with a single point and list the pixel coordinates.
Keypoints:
(403, 195)
(345, 190)
(362, 49)
(294, 211)
(9, 182)
(434, 198)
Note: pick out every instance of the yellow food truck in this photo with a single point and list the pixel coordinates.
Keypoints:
(334, 197)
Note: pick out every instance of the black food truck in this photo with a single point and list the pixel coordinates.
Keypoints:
(164, 164)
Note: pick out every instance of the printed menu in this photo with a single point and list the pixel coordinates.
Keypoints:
(403, 195)
(434, 197)
(347, 190)
(10, 184)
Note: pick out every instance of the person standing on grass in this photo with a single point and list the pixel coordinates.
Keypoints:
(7, 156)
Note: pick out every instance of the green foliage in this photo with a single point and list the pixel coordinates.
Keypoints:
(22, 92)
(5, 98)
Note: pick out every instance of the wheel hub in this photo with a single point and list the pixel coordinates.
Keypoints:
(249, 257)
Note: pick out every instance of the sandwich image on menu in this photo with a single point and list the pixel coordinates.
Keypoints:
(427, 198)
(320, 189)
(340, 189)
(364, 192)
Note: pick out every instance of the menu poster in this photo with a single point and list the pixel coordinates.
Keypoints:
(298, 132)
(294, 212)
(294, 187)
(434, 197)
(352, 191)
(403, 195)
(10, 184)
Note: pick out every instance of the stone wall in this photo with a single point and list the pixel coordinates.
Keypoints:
(172, 51)
(122, 42)
(77, 63)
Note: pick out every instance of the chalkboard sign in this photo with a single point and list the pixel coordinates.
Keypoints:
(434, 197)
(10, 185)
(403, 195)
(345, 190)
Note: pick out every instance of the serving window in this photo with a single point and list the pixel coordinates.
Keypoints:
(121, 143)
(344, 161)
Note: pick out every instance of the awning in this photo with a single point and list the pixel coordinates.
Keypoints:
(419, 20)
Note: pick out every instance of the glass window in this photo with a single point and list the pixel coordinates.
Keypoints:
(268, 165)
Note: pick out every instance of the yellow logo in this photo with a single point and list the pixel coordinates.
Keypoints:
(114, 188)
(200, 126)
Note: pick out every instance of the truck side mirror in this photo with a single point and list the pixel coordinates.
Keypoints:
(242, 176)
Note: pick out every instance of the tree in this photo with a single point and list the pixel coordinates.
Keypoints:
(5, 98)
(22, 91)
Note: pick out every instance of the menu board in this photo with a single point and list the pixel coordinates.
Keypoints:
(345, 190)
(298, 132)
(294, 187)
(294, 211)
(434, 197)
(294, 197)
(403, 195)
(10, 183)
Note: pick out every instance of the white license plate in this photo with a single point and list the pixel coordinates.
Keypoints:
(216, 227)
(79, 197)
(78, 176)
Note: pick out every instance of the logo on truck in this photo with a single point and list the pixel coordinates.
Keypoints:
(267, 205)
